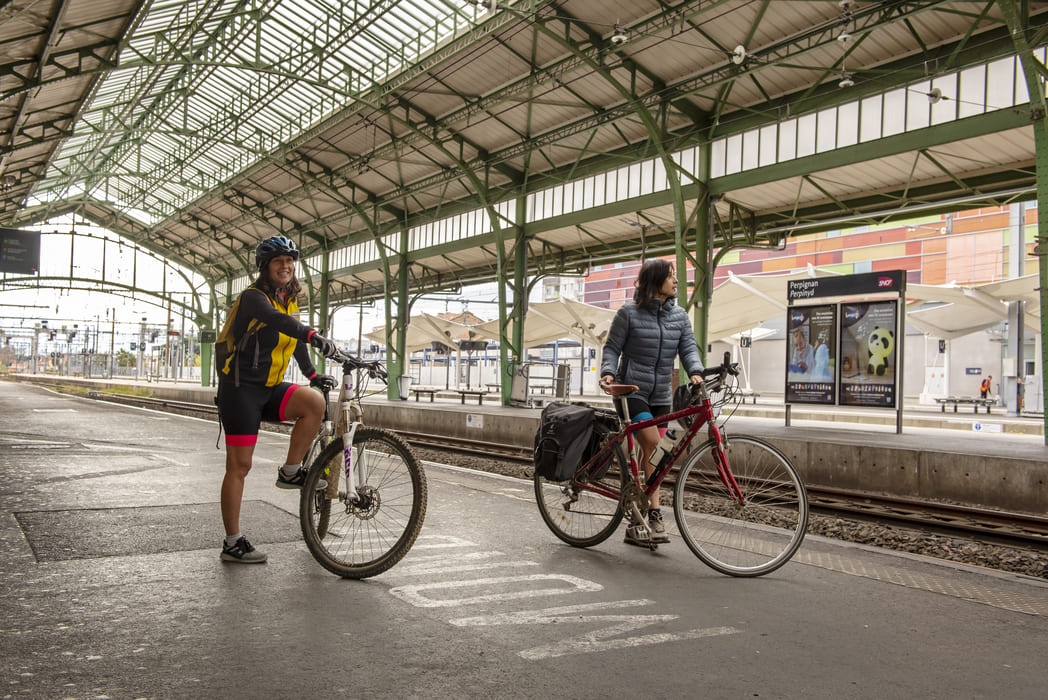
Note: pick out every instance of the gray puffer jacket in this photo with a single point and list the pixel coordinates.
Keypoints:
(642, 344)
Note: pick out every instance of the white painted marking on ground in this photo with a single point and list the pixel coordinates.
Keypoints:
(440, 542)
(597, 641)
(603, 639)
(415, 594)
(444, 567)
(55, 410)
(440, 563)
(170, 459)
(115, 448)
(31, 441)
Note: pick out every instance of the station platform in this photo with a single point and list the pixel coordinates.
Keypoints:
(993, 461)
(111, 586)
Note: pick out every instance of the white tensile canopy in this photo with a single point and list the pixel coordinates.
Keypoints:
(740, 305)
(556, 320)
(945, 311)
(426, 329)
(743, 302)
(965, 310)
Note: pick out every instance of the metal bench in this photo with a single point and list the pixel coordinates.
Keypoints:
(966, 400)
(420, 390)
(741, 396)
(479, 393)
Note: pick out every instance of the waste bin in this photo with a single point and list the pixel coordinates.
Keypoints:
(560, 381)
(518, 394)
(404, 386)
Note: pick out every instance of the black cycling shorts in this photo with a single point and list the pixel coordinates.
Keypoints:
(637, 407)
(243, 408)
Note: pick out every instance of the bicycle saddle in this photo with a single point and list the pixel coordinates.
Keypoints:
(618, 389)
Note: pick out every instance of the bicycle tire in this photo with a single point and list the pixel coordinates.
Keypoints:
(577, 515)
(749, 539)
(315, 449)
(363, 540)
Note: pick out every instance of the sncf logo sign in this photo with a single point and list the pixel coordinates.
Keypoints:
(885, 282)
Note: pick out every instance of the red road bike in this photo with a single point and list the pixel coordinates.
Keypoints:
(739, 503)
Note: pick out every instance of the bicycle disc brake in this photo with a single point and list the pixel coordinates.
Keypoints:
(367, 504)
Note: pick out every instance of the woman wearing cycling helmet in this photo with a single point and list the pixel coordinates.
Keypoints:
(253, 350)
(644, 339)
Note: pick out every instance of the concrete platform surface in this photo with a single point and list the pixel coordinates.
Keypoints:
(111, 586)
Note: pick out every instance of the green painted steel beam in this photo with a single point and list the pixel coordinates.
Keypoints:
(916, 140)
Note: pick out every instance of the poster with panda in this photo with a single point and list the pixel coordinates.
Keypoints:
(811, 354)
(868, 354)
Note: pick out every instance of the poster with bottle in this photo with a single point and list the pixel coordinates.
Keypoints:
(868, 354)
(811, 354)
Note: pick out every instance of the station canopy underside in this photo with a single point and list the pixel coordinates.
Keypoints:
(390, 134)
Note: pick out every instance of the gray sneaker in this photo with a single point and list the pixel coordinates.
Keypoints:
(242, 552)
(297, 481)
(658, 528)
(636, 536)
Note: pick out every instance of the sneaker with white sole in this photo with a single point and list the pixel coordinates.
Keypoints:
(637, 536)
(242, 552)
(657, 527)
(296, 481)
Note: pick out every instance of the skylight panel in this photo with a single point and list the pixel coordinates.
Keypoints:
(244, 81)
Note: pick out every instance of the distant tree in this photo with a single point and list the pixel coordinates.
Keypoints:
(125, 359)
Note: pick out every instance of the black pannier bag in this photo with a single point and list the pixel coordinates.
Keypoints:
(605, 424)
(565, 431)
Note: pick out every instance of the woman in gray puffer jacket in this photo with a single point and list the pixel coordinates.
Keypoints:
(645, 338)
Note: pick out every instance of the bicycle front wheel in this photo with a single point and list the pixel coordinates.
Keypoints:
(575, 511)
(362, 537)
(747, 537)
(324, 509)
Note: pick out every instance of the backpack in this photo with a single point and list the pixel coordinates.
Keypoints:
(565, 431)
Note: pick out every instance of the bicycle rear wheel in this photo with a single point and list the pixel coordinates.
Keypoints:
(366, 537)
(752, 537)
(574, 512)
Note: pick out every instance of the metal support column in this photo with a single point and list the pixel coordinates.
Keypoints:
(703, 293)
(1017, 18)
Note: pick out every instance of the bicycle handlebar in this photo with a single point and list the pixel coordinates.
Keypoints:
(716, 375)
(374, 368)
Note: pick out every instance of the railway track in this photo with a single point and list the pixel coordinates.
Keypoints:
(990, 526)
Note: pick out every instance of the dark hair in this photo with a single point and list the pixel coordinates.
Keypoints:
(653, 274)
(293, 288)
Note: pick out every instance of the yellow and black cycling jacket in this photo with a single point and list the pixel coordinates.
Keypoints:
(259, 339)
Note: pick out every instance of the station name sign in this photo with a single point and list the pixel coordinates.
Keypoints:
(891, 281)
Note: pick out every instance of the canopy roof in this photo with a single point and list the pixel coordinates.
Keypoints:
(556, 320)
(965, 310)
(743, 302)
(945, 311)
(196, 129)
(426, 329)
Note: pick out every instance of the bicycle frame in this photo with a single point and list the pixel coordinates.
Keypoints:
(704, 416)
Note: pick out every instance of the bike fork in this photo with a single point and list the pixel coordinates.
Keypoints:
(727, 478)
(347, 447)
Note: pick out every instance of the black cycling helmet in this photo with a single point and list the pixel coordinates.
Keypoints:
(272, 247)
